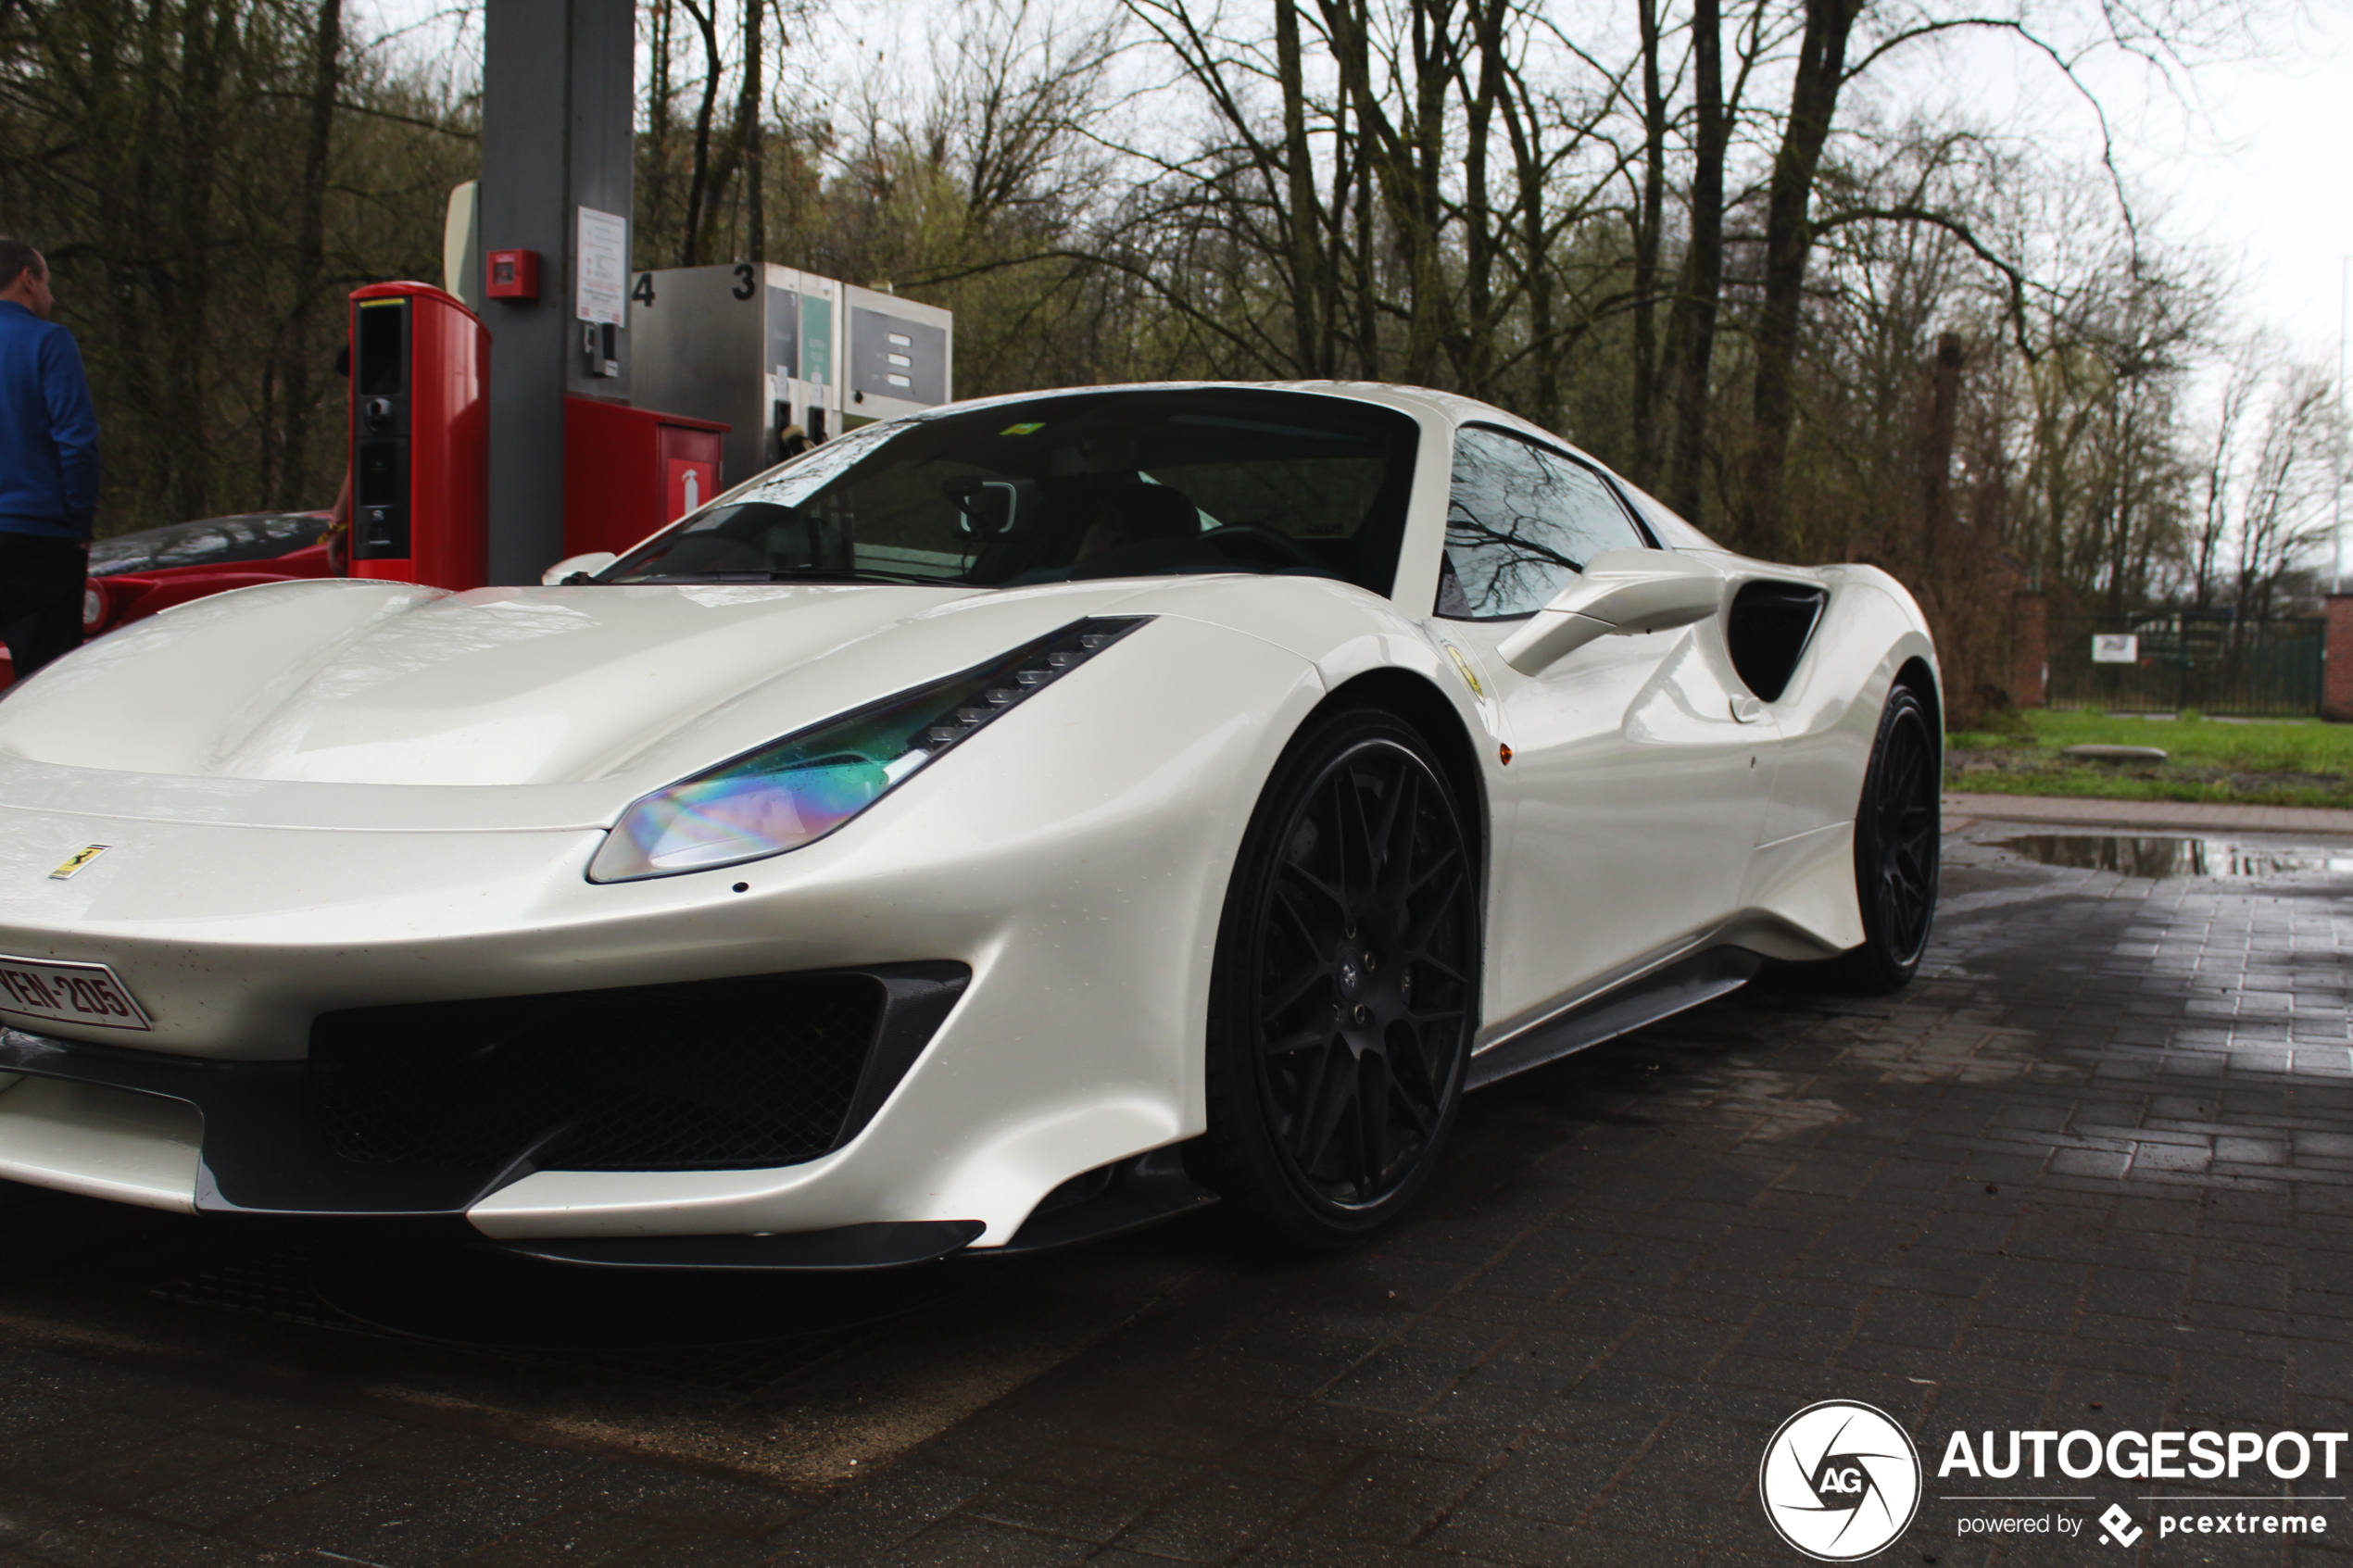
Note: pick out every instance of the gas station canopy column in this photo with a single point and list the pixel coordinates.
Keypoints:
(557, 181)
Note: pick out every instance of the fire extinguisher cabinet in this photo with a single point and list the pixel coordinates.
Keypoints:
(629, 472)
(419, 437)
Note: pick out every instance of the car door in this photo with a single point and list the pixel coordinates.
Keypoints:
(1640, 767)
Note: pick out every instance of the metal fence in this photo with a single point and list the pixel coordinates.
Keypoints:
(2204, 659)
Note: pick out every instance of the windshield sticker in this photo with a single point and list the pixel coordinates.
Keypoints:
(1030, 428)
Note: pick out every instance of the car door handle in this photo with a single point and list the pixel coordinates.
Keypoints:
(1748, 711)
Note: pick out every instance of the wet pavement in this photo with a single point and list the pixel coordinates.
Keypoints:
(2089, 1172)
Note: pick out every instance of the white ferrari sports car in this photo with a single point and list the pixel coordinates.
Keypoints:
(999, 827)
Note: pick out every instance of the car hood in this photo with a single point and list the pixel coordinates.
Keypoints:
(360, 682)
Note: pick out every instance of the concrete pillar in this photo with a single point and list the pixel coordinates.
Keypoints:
(558, 102)
(2029, 650)
(2336, 656)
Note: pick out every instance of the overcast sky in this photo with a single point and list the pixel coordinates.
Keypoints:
(2269, 178)
(2247, 153)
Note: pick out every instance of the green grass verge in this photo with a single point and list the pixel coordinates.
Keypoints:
(2265, 763)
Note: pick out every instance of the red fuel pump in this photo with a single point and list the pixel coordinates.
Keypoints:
(419, 437)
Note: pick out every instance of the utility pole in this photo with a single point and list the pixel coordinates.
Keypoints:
(2339, 564)
(558, 99)
(1944, 413)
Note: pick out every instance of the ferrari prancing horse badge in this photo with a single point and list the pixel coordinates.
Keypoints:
(76, 861)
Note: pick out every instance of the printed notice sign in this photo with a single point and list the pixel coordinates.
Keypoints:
(2115, 648)
(604, 267)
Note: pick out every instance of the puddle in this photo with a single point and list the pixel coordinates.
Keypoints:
(2161, 858)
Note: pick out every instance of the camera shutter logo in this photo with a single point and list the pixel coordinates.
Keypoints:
(1840, 1480)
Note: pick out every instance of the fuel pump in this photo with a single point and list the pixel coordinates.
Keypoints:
(761, 348)
(419, 437)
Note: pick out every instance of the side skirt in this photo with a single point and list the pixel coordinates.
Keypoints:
(1662, 993)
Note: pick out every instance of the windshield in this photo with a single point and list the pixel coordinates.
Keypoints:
(214, 542)
(1120, 484)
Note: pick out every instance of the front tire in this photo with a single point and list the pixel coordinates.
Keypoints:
(1898, 840)
(1345, 989)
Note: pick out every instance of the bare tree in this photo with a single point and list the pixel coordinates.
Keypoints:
(704, 183)
(298, 346)
(207, 177)
(2286, 486)
(2218, 470)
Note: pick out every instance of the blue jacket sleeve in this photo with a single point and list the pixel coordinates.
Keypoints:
(73, 426)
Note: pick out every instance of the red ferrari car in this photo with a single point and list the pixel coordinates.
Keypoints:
(134, 575)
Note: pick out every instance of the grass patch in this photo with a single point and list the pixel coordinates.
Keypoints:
(2286, 763)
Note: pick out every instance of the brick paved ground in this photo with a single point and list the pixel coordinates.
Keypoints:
(2090, 1170)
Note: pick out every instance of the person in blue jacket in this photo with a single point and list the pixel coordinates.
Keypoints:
(48, 468)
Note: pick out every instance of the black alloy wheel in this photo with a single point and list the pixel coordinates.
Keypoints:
(1898, 839)
(1346, 987)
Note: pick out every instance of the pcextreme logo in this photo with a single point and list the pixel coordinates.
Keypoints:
(1840, 1480)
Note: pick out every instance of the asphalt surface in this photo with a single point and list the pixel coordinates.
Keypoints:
(2090, 1170)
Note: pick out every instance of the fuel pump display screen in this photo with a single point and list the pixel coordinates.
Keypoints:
(380, 384)
(382, 361)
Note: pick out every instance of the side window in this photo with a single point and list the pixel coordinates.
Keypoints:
(1521, 522)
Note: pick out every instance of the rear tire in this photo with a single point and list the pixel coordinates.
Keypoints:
(1345, 989)
(1898, 841)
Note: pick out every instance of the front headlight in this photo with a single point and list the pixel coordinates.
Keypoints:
(796, 790)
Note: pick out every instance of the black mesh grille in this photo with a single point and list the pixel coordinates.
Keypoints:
(701, 1076)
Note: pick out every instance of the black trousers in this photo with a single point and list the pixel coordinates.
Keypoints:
(41, 585)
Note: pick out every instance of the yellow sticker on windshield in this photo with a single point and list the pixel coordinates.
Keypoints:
(1023, 428)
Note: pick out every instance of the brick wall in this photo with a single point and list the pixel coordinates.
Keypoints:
(2337, 674)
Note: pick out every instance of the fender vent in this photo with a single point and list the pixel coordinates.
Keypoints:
(1769, 626)
(708, 1076)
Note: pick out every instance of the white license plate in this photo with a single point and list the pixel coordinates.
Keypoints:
(68, 993)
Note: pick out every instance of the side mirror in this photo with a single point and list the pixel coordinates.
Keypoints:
(577, 566)
(1621, 592)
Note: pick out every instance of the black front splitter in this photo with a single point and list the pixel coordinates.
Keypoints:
(288, 1182)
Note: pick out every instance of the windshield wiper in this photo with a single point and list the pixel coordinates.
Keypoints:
(850, 575)
(796, 574)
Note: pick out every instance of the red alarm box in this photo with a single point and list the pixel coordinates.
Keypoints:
(512, 274)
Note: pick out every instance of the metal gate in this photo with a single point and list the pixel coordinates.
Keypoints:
(2205, 659)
